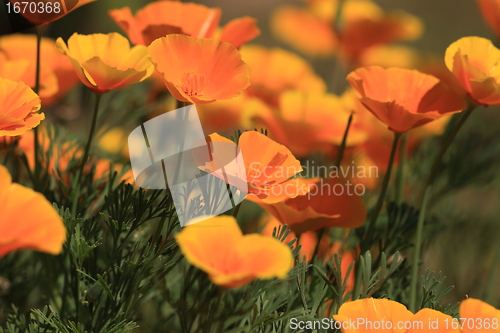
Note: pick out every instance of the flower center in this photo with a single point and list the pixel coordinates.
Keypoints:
(192, 83)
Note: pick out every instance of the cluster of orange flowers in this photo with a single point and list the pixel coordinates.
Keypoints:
(237, 85)
(373, 315)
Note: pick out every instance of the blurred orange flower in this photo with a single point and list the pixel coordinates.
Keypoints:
(217, 247)
(105, 62)
(390, 56)
(273, 71)
(18, 108)
(321, 119)
(404, 99)
(490, 9)
(27, 219)
(51, 10)
(21, 46)
(267, 167)
(330, 202)
(22, 70)
(56, 156)
(223, 116)
(303, 30)
(362, 24)
(199, 70)
(473, 60)
(482, 313)
(162, 18)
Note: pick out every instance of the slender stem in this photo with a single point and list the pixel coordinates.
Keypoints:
(86, 152)
(416, 255)
(385, 185)
(340, 154)
(423, 205)
(36, 144)
(488, 296)
(185, 120)
(400, 172)
(376, 211)
(236, 210)
(321, 232)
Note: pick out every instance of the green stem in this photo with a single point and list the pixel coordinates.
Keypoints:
(340, 154)
(400, 172)
(376, 211)
(423, 206)
(488, 296)
(321, 232)
(36, 144)
(86, 152)
(385, 185)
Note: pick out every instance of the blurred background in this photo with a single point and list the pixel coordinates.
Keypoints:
(464, 243)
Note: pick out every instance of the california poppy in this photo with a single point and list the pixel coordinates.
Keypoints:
(217, 247)
(390, 316)
(474, 60)
(273, 71)
(375, 311)
(304, 31)
(477, 315)
(18, 108)
(362, 24)
(57, 75)
(264, 170)
(105, 62)
(404, 99)
(321, 118)
(199, 70)
(27, 220)
(330, 202)
(22, 70)
(162, 18)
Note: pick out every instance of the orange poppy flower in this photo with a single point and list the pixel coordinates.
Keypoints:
(57, 155)
(477, 315)
(27, 219)
(374, 315)
(330, 202)
(264, 172)
(217, 247)
(22, 46)
(362, 25)
(473, 60)
(390, 56)
(22, 70)
(366, 25)
(18, 108)
(162, 18)
(273, 71)
(223, 116)
(51, 10)
(304, 31)
(321, 119)
(429, 321)
(404, 99)
(105, 62)
(490, 10)
(375, 311)
(199, 70)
